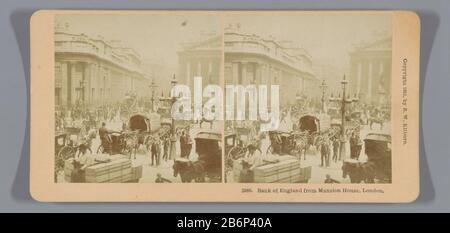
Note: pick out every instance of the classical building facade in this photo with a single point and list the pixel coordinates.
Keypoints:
(202, 58)
(370, 71)
(94, 71)
(251, 59)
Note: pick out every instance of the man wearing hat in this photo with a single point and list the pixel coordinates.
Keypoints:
(253, 156)
(251, 160)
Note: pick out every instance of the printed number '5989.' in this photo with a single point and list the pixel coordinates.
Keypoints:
(246, 222)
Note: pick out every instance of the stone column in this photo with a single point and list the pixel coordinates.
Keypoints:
(263, 73)
(210, 78)
(72, 84)
(64, 74)
(381, 67)
(358, 75)
(235, 72)
(94, 81)
(85, 78)
(258, 76)
(381, 76)
(199, 69)
(188, 74)
(87, 89)
(269, 75)
(275, 76)
(244, 73)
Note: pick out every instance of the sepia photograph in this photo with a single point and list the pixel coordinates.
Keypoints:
(329, 114)
(113, 79)
(333, 75)
(221, 106)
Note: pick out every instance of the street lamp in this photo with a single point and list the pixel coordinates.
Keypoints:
(153, 87)
(173, 138)
(323, 87)
(346, 99)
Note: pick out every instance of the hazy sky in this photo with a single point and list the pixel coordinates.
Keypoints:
(327, 37)
(152, 35)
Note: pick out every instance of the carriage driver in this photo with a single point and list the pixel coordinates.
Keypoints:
(253, 156)
(251, 160)
(105, 138)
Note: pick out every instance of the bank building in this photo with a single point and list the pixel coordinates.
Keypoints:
(370, 70)
(94, 71)
(249, 59)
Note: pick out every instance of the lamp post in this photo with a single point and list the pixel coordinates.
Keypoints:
(323, 87)
(343, 102)
(173, 138)
(153, 87)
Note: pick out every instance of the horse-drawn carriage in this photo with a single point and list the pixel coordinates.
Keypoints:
(209, 163)
(90, 120)
(378, 166)
(69, 144)
(236, 142)
(281, 142)
(309, 123)
(232, 151)
(378, 115)
(128, 140)
(66, 143)
(236, 145)
(359, 117)
(310, 128)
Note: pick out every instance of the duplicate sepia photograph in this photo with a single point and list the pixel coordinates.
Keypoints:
(113, 79)
(333, 72)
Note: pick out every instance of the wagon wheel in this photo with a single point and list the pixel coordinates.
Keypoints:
(233, 154)
(269, 150)
(66, 152)
(100, 149)
(127, 150)
(236, 153)
(59, 166)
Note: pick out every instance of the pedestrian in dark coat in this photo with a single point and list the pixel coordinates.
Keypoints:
(336, 145)
(188, 147)
(325, 153)
(183, 144)
(353, 146)
(155, 152)
(166, 143)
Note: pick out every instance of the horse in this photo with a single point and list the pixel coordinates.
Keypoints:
(86, 142)
(130, 143)
(376, 116)
(77, 175)
(190, 170)
(204, 120)
(301, 145)
(377, 120)
(359, 172)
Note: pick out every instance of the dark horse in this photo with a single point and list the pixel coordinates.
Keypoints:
(359, 172)
(189, 170)
(204, 120)
(377, 120)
